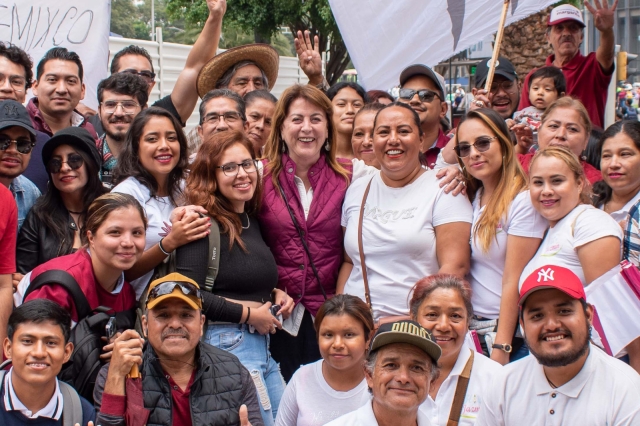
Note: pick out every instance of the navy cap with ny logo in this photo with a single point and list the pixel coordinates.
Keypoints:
(13, 113)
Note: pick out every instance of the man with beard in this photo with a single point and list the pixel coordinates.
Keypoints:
(184, 382)
(588, 76)
(121, 96)
(566, 380)
(17, 139)
(504, 95)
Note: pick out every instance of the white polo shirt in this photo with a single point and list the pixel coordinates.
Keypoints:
(605, 392)
(364, 416)
(482, 373)
(53, 409)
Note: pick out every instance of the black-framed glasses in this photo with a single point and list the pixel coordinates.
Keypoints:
(228, 117)
(146, 75)
(165, 288)
(482, 144)
(128, 107)
(425, 95)
(506, 85)
(23, 145)
(232, 169)
(74, 161)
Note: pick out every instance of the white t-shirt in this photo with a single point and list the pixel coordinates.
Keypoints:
(360, 169)
(364, 416)
(487, 268)
(308, 399)
(158, 210)
(482, 373)
(398, 235)
(560, 244)
(621, 214)
(606, 391)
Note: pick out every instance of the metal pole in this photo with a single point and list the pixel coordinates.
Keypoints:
(153, 20)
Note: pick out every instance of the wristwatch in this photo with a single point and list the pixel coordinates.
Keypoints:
(503, 346)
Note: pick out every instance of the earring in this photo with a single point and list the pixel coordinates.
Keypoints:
(327, 146)
(284, 146)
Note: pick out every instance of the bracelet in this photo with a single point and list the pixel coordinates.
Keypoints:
(246, 321)
(162, 248)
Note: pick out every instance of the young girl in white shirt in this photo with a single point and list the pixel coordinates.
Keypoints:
(335, 385)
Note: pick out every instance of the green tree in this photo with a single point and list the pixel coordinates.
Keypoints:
(124, 16)
(264, 18)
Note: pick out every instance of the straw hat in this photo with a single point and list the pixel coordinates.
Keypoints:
(265, 56)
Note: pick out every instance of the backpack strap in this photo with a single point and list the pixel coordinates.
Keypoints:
(214, 255)
(66, 280)
(71, 405)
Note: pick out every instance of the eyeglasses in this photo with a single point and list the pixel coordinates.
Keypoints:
(17, 83)
(128, 107)
(163, 289)
(148, 76)
(482, 144)
(228, 117)
(425, 95)
(506, 85)
(23, 145)
(232, 169)
(74, 161)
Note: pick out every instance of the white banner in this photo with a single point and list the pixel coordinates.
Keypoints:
(79, 25)
(384, 37)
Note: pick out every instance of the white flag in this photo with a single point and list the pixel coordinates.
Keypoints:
(384, 37)
(618, 310)
(79, 25)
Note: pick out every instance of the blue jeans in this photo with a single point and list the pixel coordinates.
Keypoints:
(252, 349)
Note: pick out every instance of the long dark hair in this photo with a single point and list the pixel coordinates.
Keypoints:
(602, 191)
(202, 184)
(50, 209)
(129, 162)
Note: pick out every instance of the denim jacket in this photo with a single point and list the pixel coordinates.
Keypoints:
(25, 193)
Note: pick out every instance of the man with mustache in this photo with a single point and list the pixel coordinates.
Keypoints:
(566, 380)
(121, 96)
(588, 76)
(184, 382)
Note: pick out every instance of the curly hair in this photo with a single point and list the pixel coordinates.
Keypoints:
(125, 84)
(20, 57)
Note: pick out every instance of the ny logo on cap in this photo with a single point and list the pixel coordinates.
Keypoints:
(546, 275)
(11, 111)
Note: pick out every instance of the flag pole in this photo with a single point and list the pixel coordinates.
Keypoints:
(496, 47)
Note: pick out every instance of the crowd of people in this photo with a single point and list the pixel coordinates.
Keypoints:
(334, 256)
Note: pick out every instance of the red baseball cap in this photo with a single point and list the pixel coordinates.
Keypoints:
(552, 276)
(564, 13)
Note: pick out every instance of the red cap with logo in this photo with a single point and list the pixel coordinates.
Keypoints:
(552, 276)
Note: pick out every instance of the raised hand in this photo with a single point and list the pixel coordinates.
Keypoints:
(603, 15)
(309, 56)
(217, 8)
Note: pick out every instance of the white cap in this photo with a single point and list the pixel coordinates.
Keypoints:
(564, 13)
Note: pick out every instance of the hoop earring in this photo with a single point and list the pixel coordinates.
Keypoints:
(327, 146)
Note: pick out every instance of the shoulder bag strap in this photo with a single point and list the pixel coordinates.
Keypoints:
(461, 392)
(367, 295)
(71, 405)
(63, 278)
(214, 255)
(304, 242)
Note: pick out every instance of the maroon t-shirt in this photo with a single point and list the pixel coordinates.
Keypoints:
(8, 230)
(586, 80)
(592, 174)
(432, 153)
(181, 407)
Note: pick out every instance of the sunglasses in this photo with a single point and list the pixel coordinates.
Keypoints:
(74, 161)
(482, 144)
(148, 76)
(163, 289)
(425, 95)
(23, 145)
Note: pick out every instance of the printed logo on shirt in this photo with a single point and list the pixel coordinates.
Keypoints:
(552, 249)
(471, 407)
(499, 228)
(386, 216)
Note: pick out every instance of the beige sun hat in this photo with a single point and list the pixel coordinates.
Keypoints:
(265, 56)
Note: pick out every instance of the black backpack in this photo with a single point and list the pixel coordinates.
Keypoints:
(82, 368)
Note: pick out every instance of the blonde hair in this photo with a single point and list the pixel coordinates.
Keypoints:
(569, 103)
(275, 144)
(570, 159)
(513, 179)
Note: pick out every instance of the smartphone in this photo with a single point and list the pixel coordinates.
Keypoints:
(110, 329)
(274, 310)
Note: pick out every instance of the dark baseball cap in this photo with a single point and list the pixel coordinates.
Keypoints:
(13, 113)
(406, 332)
(419, 69)
(504, 67)
(76, 137)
